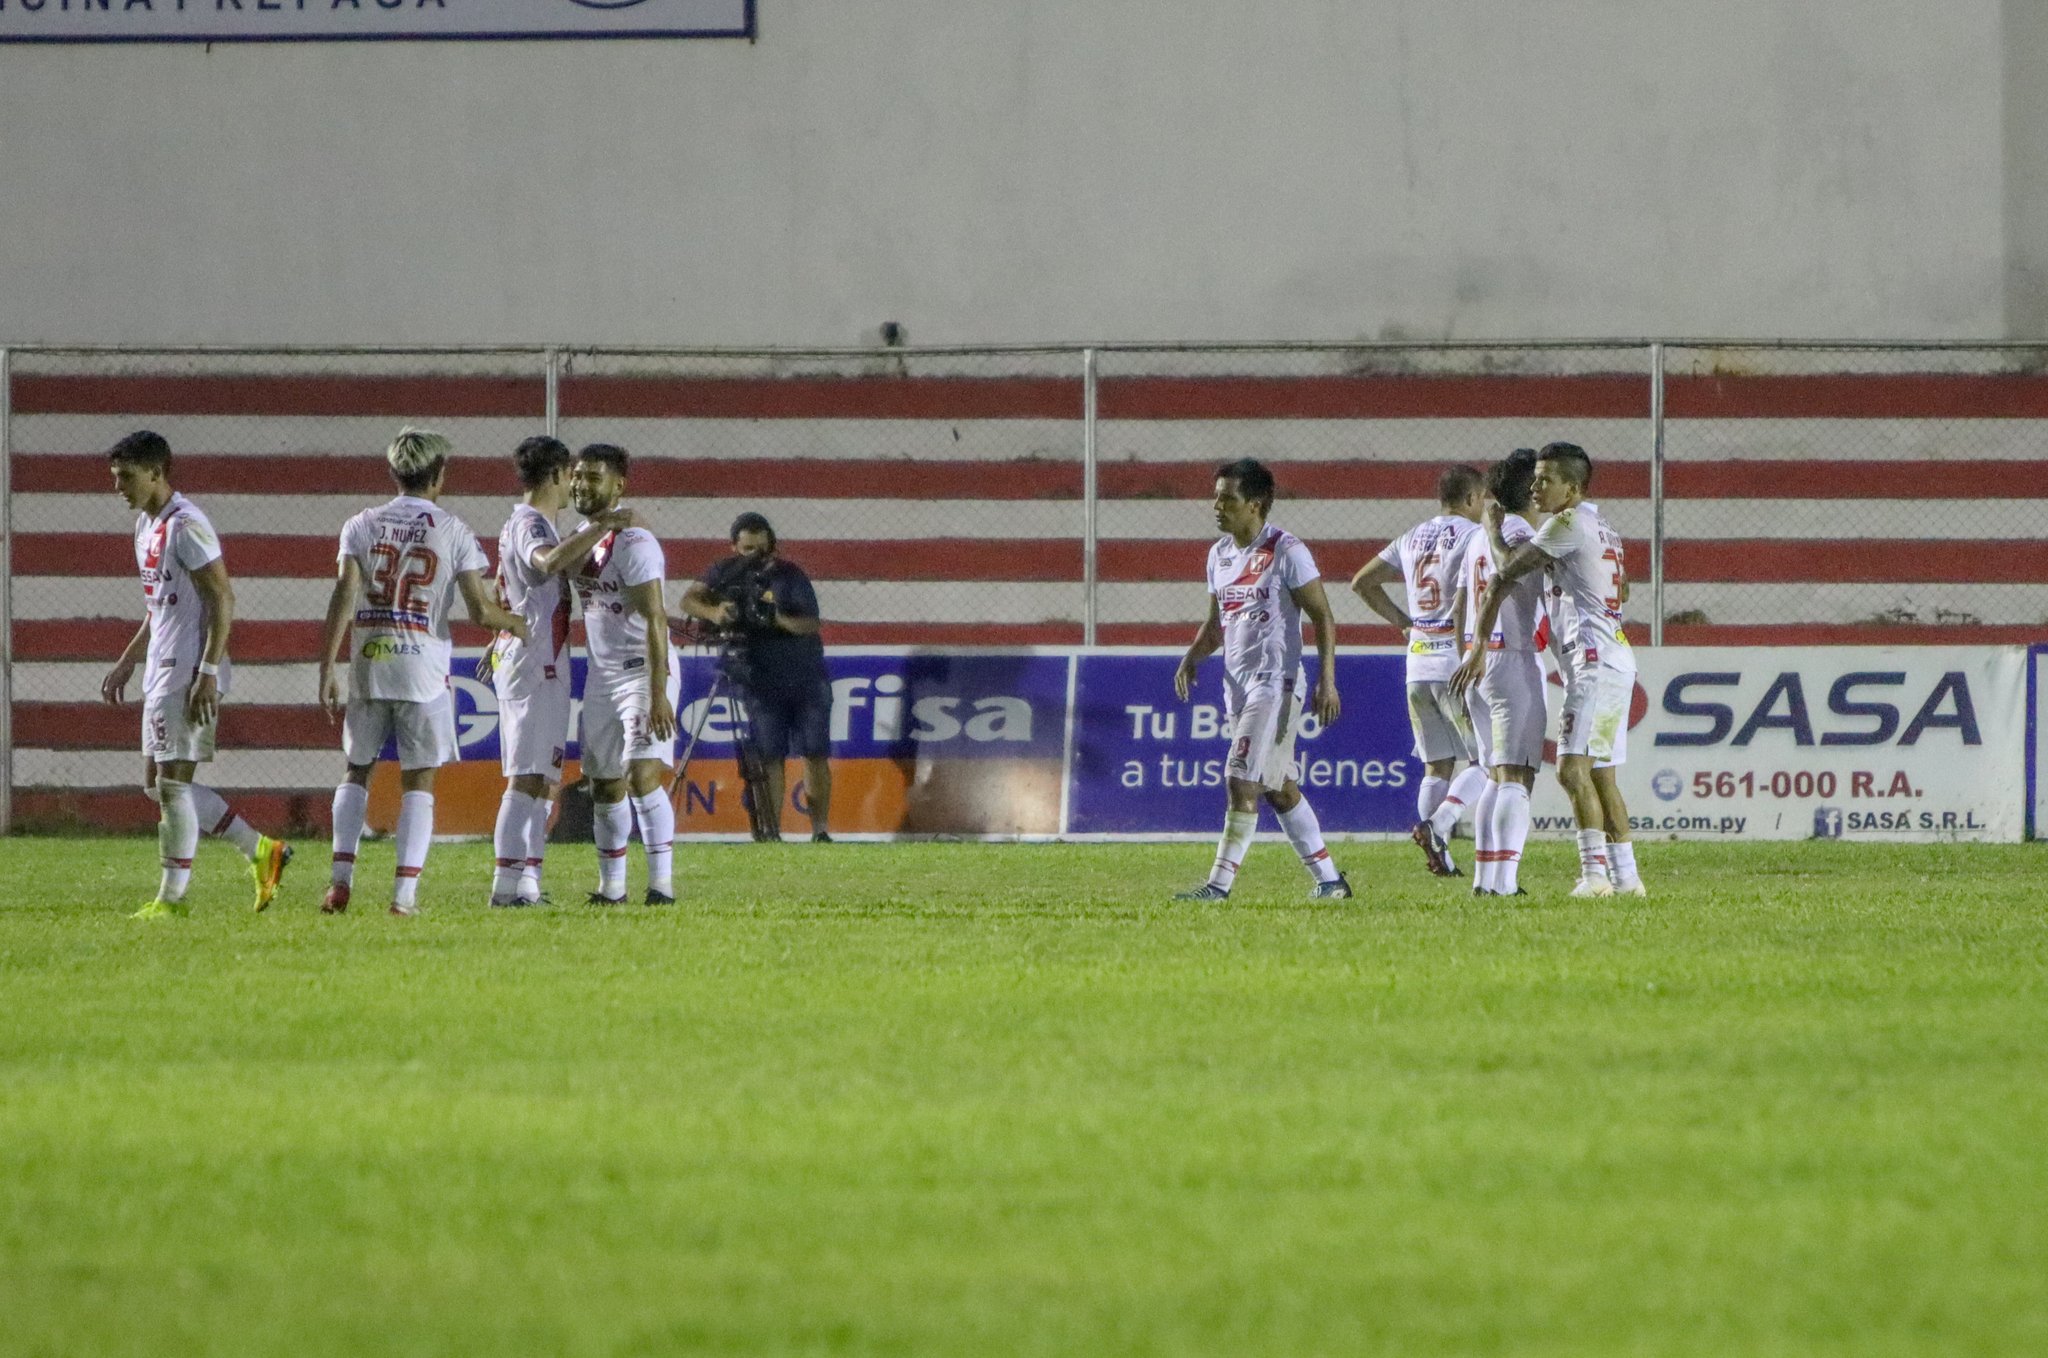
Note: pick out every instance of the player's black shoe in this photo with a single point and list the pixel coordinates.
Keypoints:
(1207, 891)
(820, 837)
(599, 898)
(658, 898)
(1435, 852)
(1339, 890)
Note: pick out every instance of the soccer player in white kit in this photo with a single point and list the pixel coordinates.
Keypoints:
(408, 558)
(629, 689)
(1583, 554)
(1425, 561)
(188, 610)
(531, 677)
(1261, 580)
(1506, 704)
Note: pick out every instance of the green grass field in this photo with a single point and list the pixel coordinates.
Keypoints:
(1009, 1100)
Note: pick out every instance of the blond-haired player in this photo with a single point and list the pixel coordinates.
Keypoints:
(408, 559)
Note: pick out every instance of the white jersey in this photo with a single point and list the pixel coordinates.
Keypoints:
(1521, 609)
(1586, 567)
(169, 546)
(616, 635)
(1254, 588)
(410, 552)
(541, 599)
(1426, 555)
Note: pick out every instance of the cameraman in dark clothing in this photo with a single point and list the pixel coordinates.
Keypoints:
(766, 605)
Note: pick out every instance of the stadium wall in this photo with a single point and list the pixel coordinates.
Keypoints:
(996, 171)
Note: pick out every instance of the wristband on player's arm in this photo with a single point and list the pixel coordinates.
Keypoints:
(209, 669)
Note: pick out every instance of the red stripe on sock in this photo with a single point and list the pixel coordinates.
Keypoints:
(408, 872)
(508, 862)
(533, 862)
(227, 818)
(180, 863)
(611, 853)
(344, 858)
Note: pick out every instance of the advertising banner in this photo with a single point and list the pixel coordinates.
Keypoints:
(1850, 743)
(211, 21)
(1830, 743)
(1147, 764)
(953, 743)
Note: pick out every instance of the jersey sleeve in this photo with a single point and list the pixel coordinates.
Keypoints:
(640, 557)
(1391, 554)
(469, 553)
(1557, 539)
(531, 536)
(351, 547)
(1516, 531)
(194, 543)
(1297, 566)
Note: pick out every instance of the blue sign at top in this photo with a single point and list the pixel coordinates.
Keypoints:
(369, 20)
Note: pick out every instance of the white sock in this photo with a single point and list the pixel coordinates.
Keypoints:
(612, 826)
(218, 818)
(1484, 850)
(415, 833)
(1465, 789)
(1305, 833)
(1510, 833)
(1238, 829)
(1593, 855)
(1430, 795)
(177, 838)
(1621, 855)
(351, 804)
(508, 842)
(536, 849)
(657, 837)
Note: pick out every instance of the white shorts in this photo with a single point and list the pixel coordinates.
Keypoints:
(533, 730)
(1595, 717)
(1480, 714)
(615, 728)
(1514, 715)
(1262, 716)
(168, 735)
(425, 731)
(1442, 729)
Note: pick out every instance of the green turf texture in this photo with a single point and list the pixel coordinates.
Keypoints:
(970, 1099)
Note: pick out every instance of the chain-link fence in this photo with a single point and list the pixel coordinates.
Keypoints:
(1009, 497)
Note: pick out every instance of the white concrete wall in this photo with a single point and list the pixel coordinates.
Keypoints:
(1010, 170)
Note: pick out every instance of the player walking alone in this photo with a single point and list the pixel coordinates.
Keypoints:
(1261, 580)
(188, 610)
(408, 558)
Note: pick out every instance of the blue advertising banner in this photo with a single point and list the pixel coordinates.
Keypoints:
(1147, 763)
(210, 21)
(918, 706)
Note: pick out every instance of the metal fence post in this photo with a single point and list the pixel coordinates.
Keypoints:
(6, 591)
(1090, 582)
(1657, 494)
(552, 376)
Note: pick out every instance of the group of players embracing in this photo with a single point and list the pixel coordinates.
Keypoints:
(1487, 591)
(400, 567)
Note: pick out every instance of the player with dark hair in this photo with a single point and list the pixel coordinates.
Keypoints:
(1261, 580)
(1506, 707)
(629, 689)
(1583, 555)
(188, 611)
(408, 558)
(1425, 560)
(531, 676)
